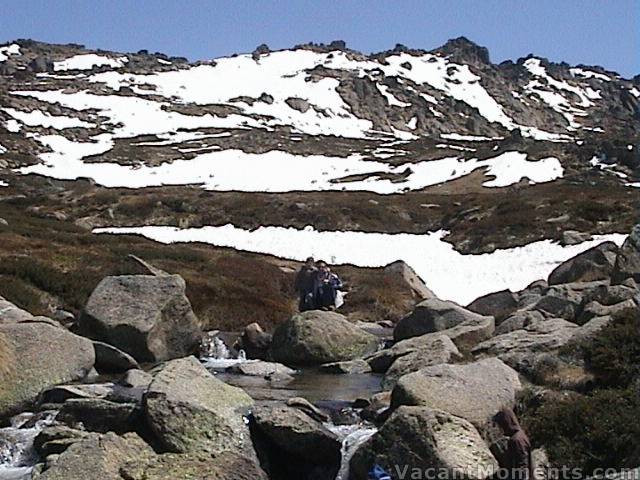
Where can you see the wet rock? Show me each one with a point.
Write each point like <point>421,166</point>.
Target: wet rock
<point>147,316</point>
<point>295,445</point>
<point>317,337</point>
<point>261,369</point>
<point>628,260</point>
<point>109,359</point>
<point>594,264</point>
<point>498,305</point>
<point>255,342</point>
<point>308,408</point>
<point>475,391</point>
<point>189,410</point>
<point>419,438</point>
<point>348,367</point>
<point>38,356</point>
<point>433,315</point>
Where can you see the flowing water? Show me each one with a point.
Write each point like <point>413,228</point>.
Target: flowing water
<point>17,455</point>
<point>352,437</point>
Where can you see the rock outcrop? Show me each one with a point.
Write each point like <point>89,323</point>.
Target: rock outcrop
<point>594,264</point>
<point>147,316</point>
<point>317,337</point>
<point>628,260</point>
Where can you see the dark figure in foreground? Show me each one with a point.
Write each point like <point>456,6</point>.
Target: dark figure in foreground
<point>326,287</point>
<point>305,285</point>
<point>517,458</point>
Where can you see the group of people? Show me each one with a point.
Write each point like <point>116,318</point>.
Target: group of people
<point>318,287</point>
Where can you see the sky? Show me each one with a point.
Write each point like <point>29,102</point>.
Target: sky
<point>592,32</point>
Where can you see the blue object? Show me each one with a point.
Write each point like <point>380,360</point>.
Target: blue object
<point>378,473</point>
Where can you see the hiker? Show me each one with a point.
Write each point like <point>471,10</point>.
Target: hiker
<point>305,284</point>
<point>326,287</point>
<point>517,458</point>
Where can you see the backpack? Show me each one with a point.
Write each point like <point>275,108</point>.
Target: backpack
<point>378,473</point>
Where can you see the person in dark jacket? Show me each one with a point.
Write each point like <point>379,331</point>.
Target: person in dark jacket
<point>305,284</point>
<point>517,458</point>
<point>326,287</point>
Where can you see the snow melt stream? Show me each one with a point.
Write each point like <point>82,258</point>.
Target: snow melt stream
<point>450,274</point>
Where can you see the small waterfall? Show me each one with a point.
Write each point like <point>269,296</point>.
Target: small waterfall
<point>216,355</point>
<point>352,436</point>
<point>17,456</point>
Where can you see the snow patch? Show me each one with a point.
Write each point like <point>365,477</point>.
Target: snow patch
<point>393,101</point>
<point>589,74</point>
<point>36,118</point>
<point>87,61</point>
<point>8,50</point>
<point>450,274</point>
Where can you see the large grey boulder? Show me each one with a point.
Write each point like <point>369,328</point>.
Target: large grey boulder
<point>147,316</point>
<point>35,356</point>
<point>433,315</point>
<point>433,349</point>
<point>520,347</point>
<point>595,309</point>
<point>407,275</point>
<point>628,260</point>
<point>519,320</point>
<point>498,304</point>
<point>96,457</point>
<point>9,313</point>
<point>294,444</point>
<point>593,264</point>
<point>189,410</point>
<point>423,439</point>
<point>317,337</point>
<point>475,391</point>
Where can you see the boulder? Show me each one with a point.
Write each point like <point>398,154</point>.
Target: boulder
<point>308,408</point>
<point>519,320</point>
<point>96,457</point>
<point>193,466</point>
<point>433,315</point>
<point>55,439</point>
<point>136,378</point>
<point>519,348</point>
<point>593,264</point>
<point>418,439</point>
<point>109,359</point>
<point>348,367</point>
<point>468,334</point>
<point>591,328</point>
<point>295,445</point>
<point>475,391</point>
<point>498,305</point>
<point>610,294</point>
<point>434,349</point>
<point>35,356</point>
<point>573,237</point>
<point>255,342</point>
<point>299,104</point>
<point>628,260</point>
<point>100,415</point>
<point>147,316</point>
<point>595,309</point>
<point>316,337</point>
<point>261,369</point>
<point>189,410</point>
<point>407,275</point>
<point>62,393</point>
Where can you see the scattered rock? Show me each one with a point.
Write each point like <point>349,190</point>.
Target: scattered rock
<point>595,309</point>
<point>109,359</point>
<point>100,415</point>
<point>498,305</point>
<point>317,337</point>
<point>38,356</point>
<point>594,264</point>
<point>347,367</point>
<point>519,320</point>
<point>418,439</point>
<point>573,237</point>
<point>148,317</point>
<point>299,104</point>
<point>433,315</point>
<point>261,369</point>
<point>475,391</point>
<point>189,410</point>
<point>55,439</point>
